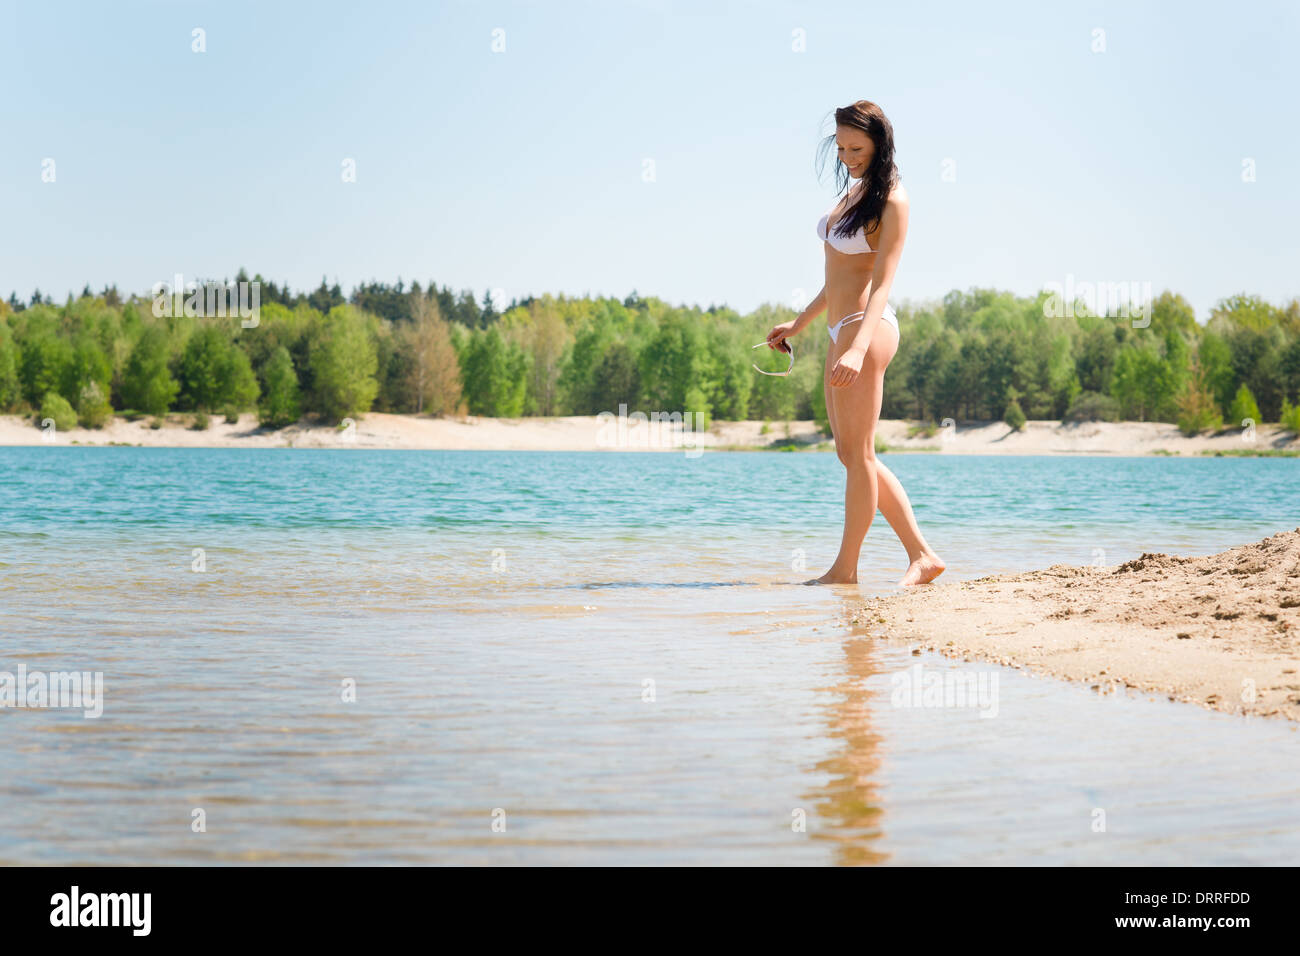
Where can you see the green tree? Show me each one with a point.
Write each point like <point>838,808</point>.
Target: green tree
<point>203,366</point>
<point>1243,407</point>
<point>1214,356</point>
<point>88,366</point>
<point>1096,358</point>
<point>344,364</point>
<point>728,379</point>
<point>1013,415</point>
<point>580,376</point>
<point>215,373</point>
<point>1197,409</point>
<point>1143,382</point>
<point>615,380</point>
<point>281,405</point>
<point>1245,311</point>
<point>1059,380</point>
<point>546,338</point>
<point>1257,361</point>
<point>41,364</point>
<point>933,376</point>
<point>1172,313</point>
<point>1092,407</point>
<point>673,364</point>
<point>10,361</point>
<point>962,383</point>
<point>93,408</point>
<point>238,384</point>
<point>495,375</point>
<point>147,384</point>
<point>1174,371</point>
<point>431,378</point>
<point>696,404</point>
<point>1290,416</point>
<point>54,407</point>
<point>1289,366</point>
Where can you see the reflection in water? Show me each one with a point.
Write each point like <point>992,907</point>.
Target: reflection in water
<point>849,801</point>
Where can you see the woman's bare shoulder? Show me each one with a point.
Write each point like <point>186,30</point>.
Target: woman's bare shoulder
<point>898,196</point>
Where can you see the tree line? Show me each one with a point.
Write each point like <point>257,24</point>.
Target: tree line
<point>980,355</point>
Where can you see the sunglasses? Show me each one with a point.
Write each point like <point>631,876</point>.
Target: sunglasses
<point>782,346</point>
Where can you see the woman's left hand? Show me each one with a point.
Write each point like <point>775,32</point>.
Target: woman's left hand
<point>848,367</point>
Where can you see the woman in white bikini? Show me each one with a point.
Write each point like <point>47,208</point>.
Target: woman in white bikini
<point>863,235</point>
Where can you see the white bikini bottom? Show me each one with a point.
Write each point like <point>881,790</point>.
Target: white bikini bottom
<point>889,317</point>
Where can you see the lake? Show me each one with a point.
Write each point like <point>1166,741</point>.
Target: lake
<point>420,657</point>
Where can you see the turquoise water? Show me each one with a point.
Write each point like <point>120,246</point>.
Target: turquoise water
<point>608,651</point>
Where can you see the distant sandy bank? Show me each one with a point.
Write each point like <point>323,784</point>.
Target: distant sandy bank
<point>588,433</point>
<point>1221,631</point>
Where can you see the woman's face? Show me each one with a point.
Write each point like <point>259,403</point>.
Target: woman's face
<point>855,149</point>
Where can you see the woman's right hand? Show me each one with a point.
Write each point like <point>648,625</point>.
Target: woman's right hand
<point>776,338</point>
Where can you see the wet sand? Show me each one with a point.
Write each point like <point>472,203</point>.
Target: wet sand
<point>589,433</point>
<point>1221,631</point>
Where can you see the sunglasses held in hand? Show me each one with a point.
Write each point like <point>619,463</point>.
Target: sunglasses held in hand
<point>782,346</point>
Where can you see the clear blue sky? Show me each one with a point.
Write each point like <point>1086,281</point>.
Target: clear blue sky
<point>522,170</point>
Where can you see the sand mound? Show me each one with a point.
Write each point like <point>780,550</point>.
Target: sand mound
<point>1222,630</point>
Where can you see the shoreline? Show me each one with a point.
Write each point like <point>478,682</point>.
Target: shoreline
<point>590,433</point>
<point>1221,631</point>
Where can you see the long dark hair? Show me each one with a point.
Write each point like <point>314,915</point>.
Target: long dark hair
<point>881,176</point>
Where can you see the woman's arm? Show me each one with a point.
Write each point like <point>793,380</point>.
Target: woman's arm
<point>815,308</point>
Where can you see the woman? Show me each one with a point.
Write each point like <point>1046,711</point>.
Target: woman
<point>863,235</point>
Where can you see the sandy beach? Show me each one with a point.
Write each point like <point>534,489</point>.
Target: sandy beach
<point>589,433</point>
<point>1222,630</point>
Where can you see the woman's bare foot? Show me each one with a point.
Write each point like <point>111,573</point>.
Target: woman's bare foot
<point>923,570</point>
<point>835,577</point>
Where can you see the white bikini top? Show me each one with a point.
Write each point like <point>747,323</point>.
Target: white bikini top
<point>856,244</point>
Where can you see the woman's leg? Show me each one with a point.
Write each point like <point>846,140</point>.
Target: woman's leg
<point>924,564</point>
<point>856,410</point>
